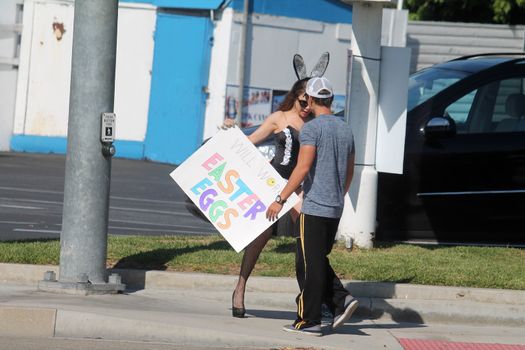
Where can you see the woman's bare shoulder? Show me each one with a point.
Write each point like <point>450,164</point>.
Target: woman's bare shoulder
<point>276,116</point>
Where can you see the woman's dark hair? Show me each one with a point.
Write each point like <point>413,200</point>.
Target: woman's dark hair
<point>292,95</point>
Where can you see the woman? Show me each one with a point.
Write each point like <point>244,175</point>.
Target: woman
<point>285,123</point>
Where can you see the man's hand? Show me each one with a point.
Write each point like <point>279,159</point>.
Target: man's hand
<point>273,211</point>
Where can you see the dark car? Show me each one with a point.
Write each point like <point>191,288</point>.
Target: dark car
<point>464,166</point>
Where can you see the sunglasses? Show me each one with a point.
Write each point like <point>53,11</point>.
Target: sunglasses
<point>302,103</point>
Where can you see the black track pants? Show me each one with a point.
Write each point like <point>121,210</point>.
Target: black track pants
<point>317,280</point>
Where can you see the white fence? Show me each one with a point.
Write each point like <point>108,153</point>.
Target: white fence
<point>434,42</point>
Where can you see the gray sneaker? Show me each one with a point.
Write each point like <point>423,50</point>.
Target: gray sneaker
<point>351,305</point>
<point>314,330</point>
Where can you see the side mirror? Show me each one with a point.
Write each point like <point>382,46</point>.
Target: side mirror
<point>439,127</point>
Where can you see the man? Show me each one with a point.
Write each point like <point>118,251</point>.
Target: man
<point>325,164</point>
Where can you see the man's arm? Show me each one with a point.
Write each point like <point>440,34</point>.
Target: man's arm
<point>349,171</point>
<point>304,163</point>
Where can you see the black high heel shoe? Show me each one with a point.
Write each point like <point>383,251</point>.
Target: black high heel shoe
<point>237,311</point>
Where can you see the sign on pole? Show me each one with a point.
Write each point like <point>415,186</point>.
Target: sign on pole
<point>232,183</point>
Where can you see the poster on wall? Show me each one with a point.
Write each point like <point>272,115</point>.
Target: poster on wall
<point>257,104</point>
<point>277,98</point>
<point>338,104</point>
<point>233,184</point>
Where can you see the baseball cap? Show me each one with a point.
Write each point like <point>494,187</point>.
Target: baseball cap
<point>316,85</point>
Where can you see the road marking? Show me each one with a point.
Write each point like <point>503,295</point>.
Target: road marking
<point>29,190</point>
<point>153,229</point>
<point>146,200</point>
<point>111,197</point>
<point>18,222</point>
<point>18,206</point>
<point>35,230</point>
<point>151,211</point>
<point>155,224</point>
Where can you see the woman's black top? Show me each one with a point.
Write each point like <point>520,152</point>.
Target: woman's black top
<point>286,151</point>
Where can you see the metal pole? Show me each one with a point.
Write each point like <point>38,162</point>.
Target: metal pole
<point>241,60</point>
<point>83,242</point>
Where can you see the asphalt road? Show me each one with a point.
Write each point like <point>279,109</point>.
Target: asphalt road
<point>144,200</point>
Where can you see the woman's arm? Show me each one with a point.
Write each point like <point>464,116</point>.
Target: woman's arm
<point>266,129</point>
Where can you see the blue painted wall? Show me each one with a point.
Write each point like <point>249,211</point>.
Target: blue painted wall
<point>329,11</point>
<point>182,4</point>
<point>181,64</point>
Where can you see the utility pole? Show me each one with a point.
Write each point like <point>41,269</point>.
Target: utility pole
<point>83,241</point>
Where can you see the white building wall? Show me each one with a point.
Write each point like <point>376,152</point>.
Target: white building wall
<point>9,29</point>
<point>42,104</point>
<point>271,44</point>
<point>273,41</point>
<point>220,56</point>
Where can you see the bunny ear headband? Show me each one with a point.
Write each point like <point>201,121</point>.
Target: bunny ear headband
<point>319,68</point>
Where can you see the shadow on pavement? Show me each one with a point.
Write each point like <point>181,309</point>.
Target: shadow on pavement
<point>373,297</point>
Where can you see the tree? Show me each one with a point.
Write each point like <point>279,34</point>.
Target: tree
<point>479,11</point>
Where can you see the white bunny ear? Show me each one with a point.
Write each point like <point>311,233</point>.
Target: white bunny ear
<point>299,67</point>
<point>321,65</point>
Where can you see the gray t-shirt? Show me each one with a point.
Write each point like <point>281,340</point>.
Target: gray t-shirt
<point>324,184</point>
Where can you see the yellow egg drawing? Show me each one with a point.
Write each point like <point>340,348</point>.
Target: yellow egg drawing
<point>270,181</point>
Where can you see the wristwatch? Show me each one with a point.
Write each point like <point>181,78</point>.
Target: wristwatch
<point>279,200</point>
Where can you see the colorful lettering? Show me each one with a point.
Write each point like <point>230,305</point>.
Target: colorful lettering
<point>230,174</point>
<point>217,209</point>
<point>201,186</point>
<point>243,188</point>
<point>227,221</point>
<point>213,160</point>
<point>258,207</point>
<point>217,172</point>
<point>247,201</point>
<point>207,198</point>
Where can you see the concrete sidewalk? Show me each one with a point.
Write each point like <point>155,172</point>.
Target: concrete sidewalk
<point>188,308</point>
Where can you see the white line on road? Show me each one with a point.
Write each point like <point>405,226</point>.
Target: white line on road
<point>155,224</point>
<point>18,222</point>
<point>152,211</point>
<point>112,197</point>
<point>35,230</point>
<point>29,190</point>
<point>146,200</point>
<point>18,206</point>
<point>32,200</point>
<point>154,230</point>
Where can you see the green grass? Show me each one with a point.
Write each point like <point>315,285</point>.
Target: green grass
<point>466,266</point>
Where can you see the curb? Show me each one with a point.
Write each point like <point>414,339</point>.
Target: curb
<point>378,300</point>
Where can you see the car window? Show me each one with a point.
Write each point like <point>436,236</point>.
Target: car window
<point>498,106</point>
<point>428,82</point>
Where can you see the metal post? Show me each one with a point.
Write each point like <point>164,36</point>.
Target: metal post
<point>83,241</point>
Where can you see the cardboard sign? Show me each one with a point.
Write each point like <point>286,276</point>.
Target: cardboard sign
<point>232,183</point>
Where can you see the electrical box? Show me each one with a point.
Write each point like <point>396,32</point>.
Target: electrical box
<point>108,127</point>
